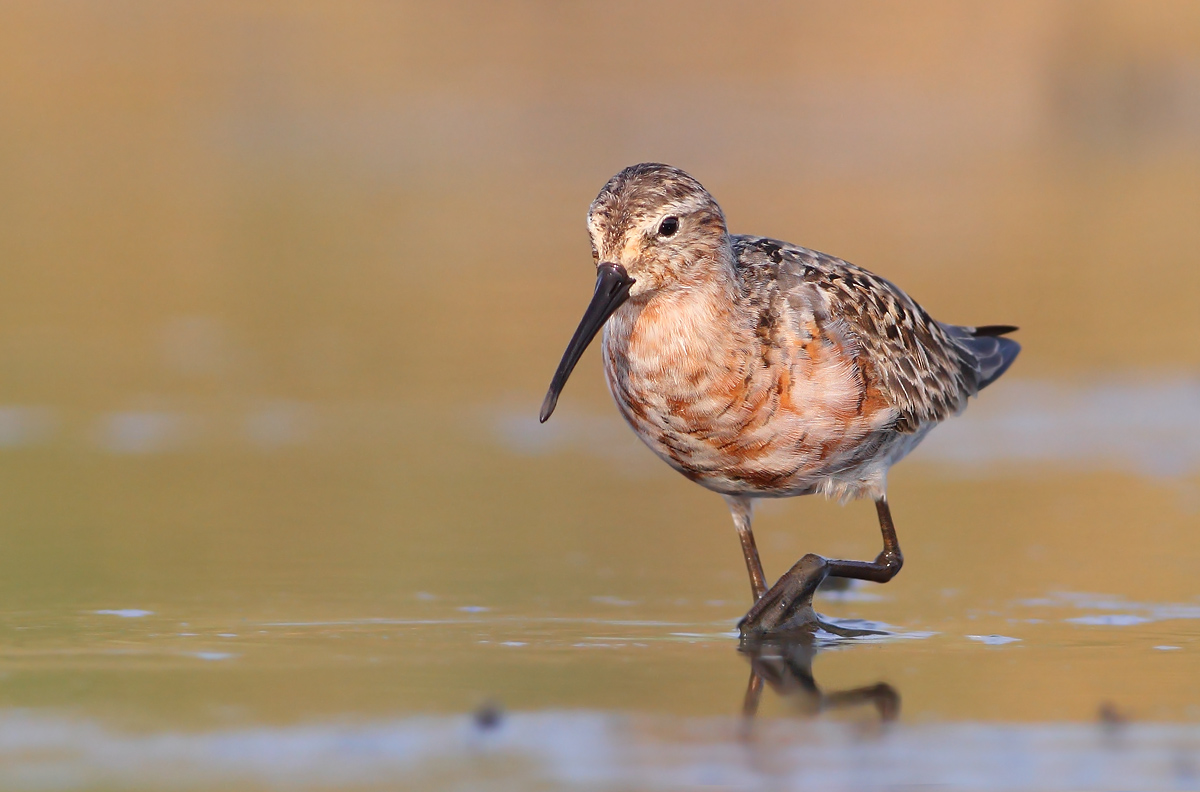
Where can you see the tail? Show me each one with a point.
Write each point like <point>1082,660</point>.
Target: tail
<point>987,353</point>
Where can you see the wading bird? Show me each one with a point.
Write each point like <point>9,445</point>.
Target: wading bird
<point>761,369</point>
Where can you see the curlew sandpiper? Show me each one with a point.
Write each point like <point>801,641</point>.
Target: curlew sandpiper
<point>761,369</point>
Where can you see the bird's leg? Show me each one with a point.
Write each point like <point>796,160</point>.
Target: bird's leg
<point>886,564</point>
<point>741,508</point>
<point>787,606</point>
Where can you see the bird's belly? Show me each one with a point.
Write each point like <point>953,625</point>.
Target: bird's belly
<point>737,441</point>
<point>742,417</point>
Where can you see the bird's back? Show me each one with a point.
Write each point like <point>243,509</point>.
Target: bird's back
<point>923,368</point>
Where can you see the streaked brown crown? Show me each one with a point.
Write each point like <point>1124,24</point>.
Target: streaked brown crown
<point>626,217</point>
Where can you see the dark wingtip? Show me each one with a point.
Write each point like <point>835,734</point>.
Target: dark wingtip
<point>994,330</point>
<point>997,363</point>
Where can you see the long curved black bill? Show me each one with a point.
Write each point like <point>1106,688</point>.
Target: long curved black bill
<point>612,289</point>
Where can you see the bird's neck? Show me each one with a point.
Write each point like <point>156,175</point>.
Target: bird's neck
<point>678,339</point>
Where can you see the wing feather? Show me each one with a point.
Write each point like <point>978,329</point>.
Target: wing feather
<point>924,369</point>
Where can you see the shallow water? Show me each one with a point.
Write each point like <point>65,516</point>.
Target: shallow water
<point>283,288</point>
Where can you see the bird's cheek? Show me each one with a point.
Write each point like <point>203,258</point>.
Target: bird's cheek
<point>640,286</point>
<point>649,275</point>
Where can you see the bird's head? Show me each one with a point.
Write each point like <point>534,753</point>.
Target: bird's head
<point>653,228</point>
<point>657,223</point>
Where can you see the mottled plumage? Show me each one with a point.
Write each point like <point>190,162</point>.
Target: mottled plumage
<point>759,368</point>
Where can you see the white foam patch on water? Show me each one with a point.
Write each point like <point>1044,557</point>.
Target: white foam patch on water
<point>144,432</point>
<point>1127,613</point>
<point>1111,620</point>
<point>125,613</point>
<point>993,640</point>
<point>853,594</point>
<point>279,425</point>
<point>596,750</point>
<point>615,601</point>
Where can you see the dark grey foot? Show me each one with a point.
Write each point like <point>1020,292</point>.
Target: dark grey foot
<point>786,608</point>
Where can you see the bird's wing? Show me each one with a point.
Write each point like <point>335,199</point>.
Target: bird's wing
<point>910,360</point>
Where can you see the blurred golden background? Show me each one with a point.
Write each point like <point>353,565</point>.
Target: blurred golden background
<point>282,285</point>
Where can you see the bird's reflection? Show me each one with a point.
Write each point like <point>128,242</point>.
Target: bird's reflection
<point>786,667</point>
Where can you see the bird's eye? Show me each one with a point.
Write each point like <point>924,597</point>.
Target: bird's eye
<point>668,226</point>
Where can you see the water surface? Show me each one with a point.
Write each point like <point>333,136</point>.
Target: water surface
<point>283,288</point>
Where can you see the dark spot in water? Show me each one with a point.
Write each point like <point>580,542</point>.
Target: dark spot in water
<point>1110,717</point>
<point>489,716</point>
